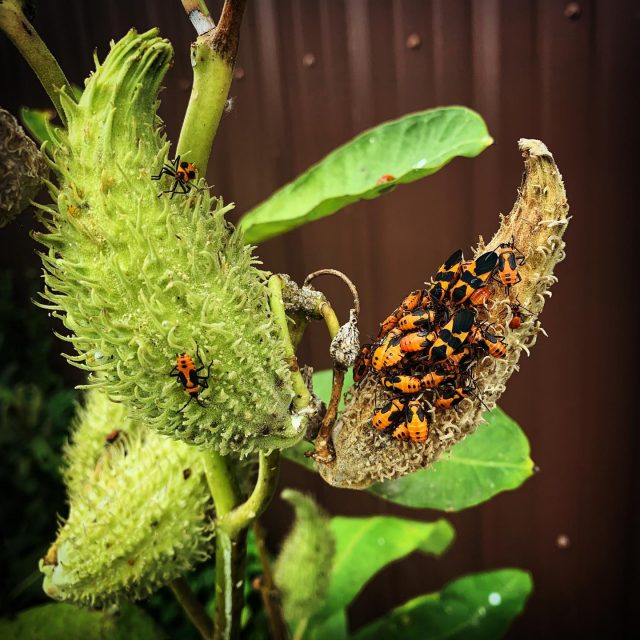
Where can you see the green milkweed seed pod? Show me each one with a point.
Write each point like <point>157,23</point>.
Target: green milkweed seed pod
<point>139,510</point>
<point>138,278</point>
<point>303,569</point>
<point>535,225</point>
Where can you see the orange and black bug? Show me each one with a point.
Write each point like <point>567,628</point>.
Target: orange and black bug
<point>473,277</point>
<point>388,415</point>
<point>452,335</point>
<point>416,421</point>
<point>182,172</point>
<point>187,375</point>
<point>417,340</point>
<point>388,323</point>
<point>457,358</point>
<point>480,296</point>
<point>401,432</point>
<point>509,259</point>
<point>517,315</point>
<point>447,275</point>
<point>434,379</point>
<point>388,352</point>
<point>403,384</point>
<point>112,436</point>
<point>494,344</point>
<point>475,334</point>
<point>450,397</point>
<point>387,177</point>
<point>418,319</point>
<point>362,363</point>
<point>411,301</point>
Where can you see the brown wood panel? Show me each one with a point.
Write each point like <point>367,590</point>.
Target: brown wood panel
<point>315,73</point>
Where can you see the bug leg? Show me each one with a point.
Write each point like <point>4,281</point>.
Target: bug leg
<point>186,404</point>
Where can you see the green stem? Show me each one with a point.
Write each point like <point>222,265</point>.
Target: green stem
<point>302,396</point>
<point>25,38</point>
<point>330,319</point>
<point>242,517</point>
<point>230,552</point>
<point>192,607</point>
<point>213,55</point>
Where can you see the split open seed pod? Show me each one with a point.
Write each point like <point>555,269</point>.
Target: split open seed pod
<point>535,225</point>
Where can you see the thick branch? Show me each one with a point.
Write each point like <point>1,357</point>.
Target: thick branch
<point>213,55</point>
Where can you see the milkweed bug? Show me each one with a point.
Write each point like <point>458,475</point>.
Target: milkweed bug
<point>411,301</point>
<point>112,436</point>
<point>401,432</point>
<point>362,363</point>
<point>387,324</point>
<point>509,259</point>
<point>451,397</point>
<point>452,335</point>
<point>434,379</point>
<point>388,415</point>
<point>403,384</point>
<point>416,421</point>
<point>187,375</point>
<point>517,315</point>
<point>380,358</point>
<point>462,354</point>
<point>418,319</point>
<point>473,277</point>
<point>182,172</point>
<point>494,344</point>
<point>447,275</point>
<point>480,296</point>
<point>387,177</point>
<point>417,340</point>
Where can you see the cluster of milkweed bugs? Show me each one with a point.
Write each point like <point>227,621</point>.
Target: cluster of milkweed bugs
<point>425,351</point>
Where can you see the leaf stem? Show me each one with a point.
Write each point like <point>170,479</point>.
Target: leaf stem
<point>268,590</point>
<point>241,517</point>
<point>213,55</point>
<point>192,607</point>
<point>302,396</point>
<point>33,49</point>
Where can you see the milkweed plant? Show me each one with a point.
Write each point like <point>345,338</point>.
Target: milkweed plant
<point>193,390</point>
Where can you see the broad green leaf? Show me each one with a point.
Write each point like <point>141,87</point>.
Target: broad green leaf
<point>493,459</point>
<point>38,123</point>
<point>475,607</point>
<point>365,545</point>
<point>407,149</point>
<point>59,621</point>
<point>323,381</point>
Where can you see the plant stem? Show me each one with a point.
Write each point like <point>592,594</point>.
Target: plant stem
<point>192,607</point>
<point>213,55</point>
<point>241,517</point>
<point>230,553</point>
<point>268,591</point>
<point>25,38</point>
<point>302,396</point>
<point>323,447</point>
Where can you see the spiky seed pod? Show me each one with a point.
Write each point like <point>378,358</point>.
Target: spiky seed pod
<point>138,278</point>
<point>139,510</point>
<point>22,168</point>
<point>536,225</point>
<point>303,569</point>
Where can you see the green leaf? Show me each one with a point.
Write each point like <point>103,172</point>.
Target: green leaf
<point>493,459</point>
<point>475,607</point>
<point>365,545</point>
<point>38,123</point>
<point>408,149</point>
<point>59,621</point>
<point>323,381</point>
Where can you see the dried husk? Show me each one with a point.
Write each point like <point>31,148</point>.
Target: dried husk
<point>536,225</point>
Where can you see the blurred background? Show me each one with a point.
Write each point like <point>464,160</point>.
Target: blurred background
<point>310,75</point>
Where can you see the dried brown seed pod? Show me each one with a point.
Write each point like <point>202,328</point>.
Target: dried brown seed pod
<point>535,225</point>
<point>22,168</point>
